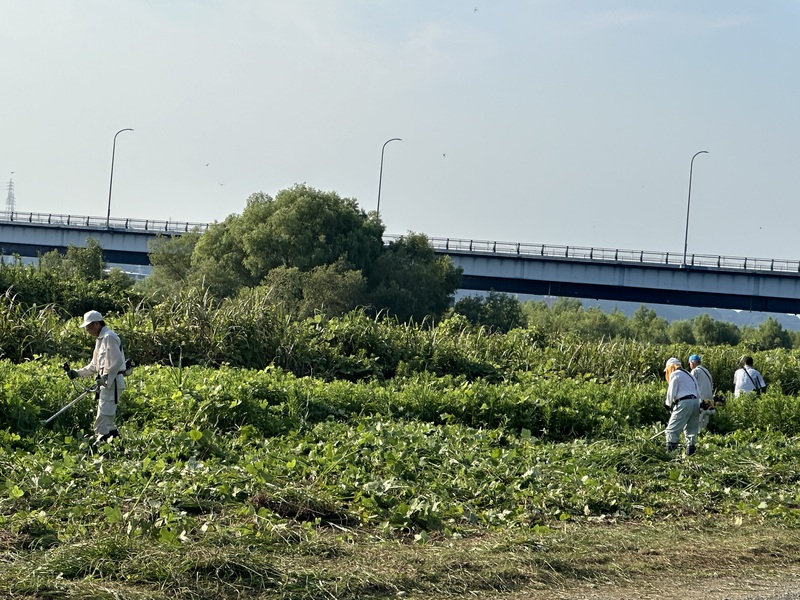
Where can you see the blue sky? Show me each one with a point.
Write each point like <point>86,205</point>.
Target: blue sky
<point>569,122</point>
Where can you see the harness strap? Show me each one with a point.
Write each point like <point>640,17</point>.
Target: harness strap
<point>753,381</point>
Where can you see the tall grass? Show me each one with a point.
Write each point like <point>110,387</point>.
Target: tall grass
<point>247,331</point>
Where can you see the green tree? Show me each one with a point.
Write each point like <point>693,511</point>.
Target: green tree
<point>595,324</point>
<point>307,228</point>
<point>537,314</point>
<point>411,281</point>
<point>728,333</point>
<point>218,259</point>
<point>708,332</point>
<point>315,251</point>
<point>330,289</point>
<point>646,325</point>
<point>496,310</point>
<point>471,307</point>
<point>333,289</point>
<point>302,227</point>
<point>85,263</point>
<point>567,305</point>
<point>769,335</point>
<point>75,281</point>
<point>680,332</point>
<point>171,259</point>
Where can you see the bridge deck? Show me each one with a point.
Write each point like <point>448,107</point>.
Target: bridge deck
<point>606,255</point>
<point>449,245</point>
<point>99,223</point>
<point>771,285</point>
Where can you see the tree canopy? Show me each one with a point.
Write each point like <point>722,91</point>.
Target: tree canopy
<point>316,251</point>
<point>496,310</point>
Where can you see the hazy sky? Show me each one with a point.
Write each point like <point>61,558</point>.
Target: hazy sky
<point>562,121</point>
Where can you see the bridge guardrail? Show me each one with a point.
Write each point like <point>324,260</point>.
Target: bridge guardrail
<point>446,244</point>
<point>113,223</point>
<point>611,255</point>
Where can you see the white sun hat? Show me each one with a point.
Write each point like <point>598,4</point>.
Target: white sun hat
<point>91,317</point>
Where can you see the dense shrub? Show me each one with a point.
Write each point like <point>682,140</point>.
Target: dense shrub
<point>273,401</point>
<point>246,332</point>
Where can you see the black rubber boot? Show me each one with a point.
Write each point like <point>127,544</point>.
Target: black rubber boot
<point>691,450</point>
<point>114,433</point>
<point>672,446</point>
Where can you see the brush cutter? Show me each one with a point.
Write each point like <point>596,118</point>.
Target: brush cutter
<point>85,392</point>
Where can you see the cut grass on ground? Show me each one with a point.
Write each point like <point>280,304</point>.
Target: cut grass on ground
<point>574,560</point>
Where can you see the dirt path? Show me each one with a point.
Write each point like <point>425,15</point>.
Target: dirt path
<point>785,586</point>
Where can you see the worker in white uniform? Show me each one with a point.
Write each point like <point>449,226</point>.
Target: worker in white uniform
<point>683,401</point>
<point>108,364</point>
<point>705,386</point>
<point>748,379</point>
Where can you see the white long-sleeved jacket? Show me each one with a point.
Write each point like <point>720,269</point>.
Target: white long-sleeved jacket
<point>681,384</point>
<point>705,384</point>
<point>108,359</point>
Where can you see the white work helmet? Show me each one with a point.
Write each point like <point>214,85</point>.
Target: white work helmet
<point>91,317</point>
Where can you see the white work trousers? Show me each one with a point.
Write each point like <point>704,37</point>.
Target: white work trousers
<point>106,411</point>
<point>685,417</point>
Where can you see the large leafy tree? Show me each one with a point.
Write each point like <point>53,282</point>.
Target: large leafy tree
<point>496,310</point>
<point>307,228</point>
<point>330,289</point>
<point>301,227</point>
<point>709,332</point>
<point>171,259</point>
<point>680,332</point>
<point>316,252</point>
<point>770,334</point>
<point>411,281</point>
<point>86,263</point>
<point>218,260</point>
<point>646,325</point>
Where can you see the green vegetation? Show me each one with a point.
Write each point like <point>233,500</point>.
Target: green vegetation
<point>313,251</point>
<point>281,442</point>
<point>278,483</point>
<point>569,315</point>
<point>73,282</point>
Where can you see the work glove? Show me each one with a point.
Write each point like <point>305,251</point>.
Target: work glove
<point>72,374</point>
<point>102,379</point>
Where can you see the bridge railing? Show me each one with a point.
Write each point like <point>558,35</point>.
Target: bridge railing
<point>443,244</point>
<point>113,223</point>
<point>611,255</point>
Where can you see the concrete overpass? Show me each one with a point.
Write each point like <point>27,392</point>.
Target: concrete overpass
<point>753,284</point>
<point>124,241</point>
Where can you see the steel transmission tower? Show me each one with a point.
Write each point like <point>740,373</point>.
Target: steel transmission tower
<point>10,202</point>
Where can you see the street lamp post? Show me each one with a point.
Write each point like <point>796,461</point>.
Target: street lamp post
<point>688,204</point>
<point>380,177</point>
<point>111,180</point>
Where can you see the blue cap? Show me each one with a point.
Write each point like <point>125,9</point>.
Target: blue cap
<point>694,358</point>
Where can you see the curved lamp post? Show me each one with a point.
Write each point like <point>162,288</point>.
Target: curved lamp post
<point>380,177</point>
<point>688,204</point>
<point>111,181</point>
